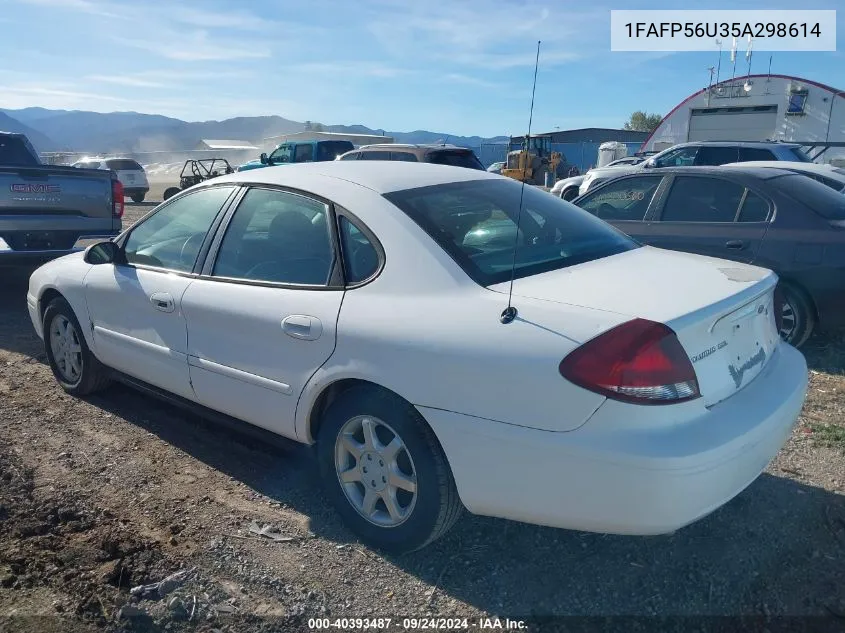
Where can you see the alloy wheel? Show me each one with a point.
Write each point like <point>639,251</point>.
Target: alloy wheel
<point>66,349</point>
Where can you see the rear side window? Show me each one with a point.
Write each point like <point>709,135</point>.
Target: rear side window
<point>122,164</point>
<point>360,258</point>
<point>702,199</point>
<point>303,153</point>
<point>403,156</point>
<point>475,222</point>
<point>375,156</point>
<point>624,199</point>
<point>754,209</point>
<point>755,153</point>
<point>716,155</point>
<point>821,199</point>
<point>455,158</point>
<point>329,150</point>
<point>800,155</point>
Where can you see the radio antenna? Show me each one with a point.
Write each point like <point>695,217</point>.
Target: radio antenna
<point>509,313</point>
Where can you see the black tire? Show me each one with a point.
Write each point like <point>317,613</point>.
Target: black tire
<point>93,376</point>
<point>437,506</point>
<point>569,193</point>
<point>137,198</point>
<point>796,317</point>
<point>170,192</point>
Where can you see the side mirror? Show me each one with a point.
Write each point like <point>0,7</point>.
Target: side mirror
<point>264,159</point>
<point>102,253</point>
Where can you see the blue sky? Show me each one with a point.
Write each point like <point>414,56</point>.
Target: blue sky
<point>458,66</point>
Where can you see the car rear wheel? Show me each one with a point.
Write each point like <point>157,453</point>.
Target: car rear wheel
<point>795,316</point>
<point>170,192</point>
<point>72,363</point>
<point>137,198</point>
<point>385,472</point>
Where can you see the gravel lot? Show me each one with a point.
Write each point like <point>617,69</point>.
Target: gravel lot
<point>119,490</point>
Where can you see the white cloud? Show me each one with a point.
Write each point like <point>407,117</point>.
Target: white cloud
<point>125,80</point>
<point>197,46</point>
<point>469,80</point>
<point>349,68</point>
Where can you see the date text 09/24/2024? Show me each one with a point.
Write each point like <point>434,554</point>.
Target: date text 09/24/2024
<point>415,624</point>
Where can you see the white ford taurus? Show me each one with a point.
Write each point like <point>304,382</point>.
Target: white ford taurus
<point>359,307</point>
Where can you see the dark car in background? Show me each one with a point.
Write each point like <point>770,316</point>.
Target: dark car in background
<point>769,217</point>
<point>438,154</point>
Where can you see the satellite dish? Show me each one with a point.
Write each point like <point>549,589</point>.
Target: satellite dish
<point>747,86</point>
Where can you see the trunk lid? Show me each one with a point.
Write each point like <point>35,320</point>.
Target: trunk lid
<point>721,311</point>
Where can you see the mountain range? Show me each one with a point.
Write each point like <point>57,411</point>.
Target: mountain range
<point>113,132</point>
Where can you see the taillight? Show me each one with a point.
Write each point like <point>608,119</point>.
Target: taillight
<point>639,361</point>
<point>117,198</point>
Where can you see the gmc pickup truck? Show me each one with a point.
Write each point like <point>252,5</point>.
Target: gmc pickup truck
<point>47,211</point>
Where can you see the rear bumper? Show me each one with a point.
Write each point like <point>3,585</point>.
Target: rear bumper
<point>611,478</point>
<point>11,257</point>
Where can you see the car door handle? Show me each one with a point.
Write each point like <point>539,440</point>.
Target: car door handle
<point>163,301</point>
<point>735,245</point>
<point>306,328</point>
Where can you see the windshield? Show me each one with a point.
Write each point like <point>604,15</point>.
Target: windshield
<point>800,155</point>
<point>827,202</point>
<point>455,158</point>
<point>475,222</point>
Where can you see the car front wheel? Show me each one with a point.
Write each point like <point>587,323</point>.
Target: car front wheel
<point>569,194</point>
<point>72,363</point>
<point>385,472</point>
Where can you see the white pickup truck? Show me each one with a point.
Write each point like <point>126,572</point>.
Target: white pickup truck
<point>49,210</point>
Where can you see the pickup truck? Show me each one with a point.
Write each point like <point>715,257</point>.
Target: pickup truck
<point>47,211</point>
<point>300,152</point>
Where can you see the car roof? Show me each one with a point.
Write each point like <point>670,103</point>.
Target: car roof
<point>814,168</point>
<point>763,144</point>
<point>388,146</point>
<point>379,176</point>
<point>762,173</point>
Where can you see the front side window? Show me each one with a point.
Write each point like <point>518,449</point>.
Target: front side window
<point>681,157</point>
<point>171,238</point>
<point>304,153</point>
<point>476,223</point>
<point>702,199</point>
<point>281,155</point>
<point>625,199</point>
<point>278,237</point>
<point>350,156</point>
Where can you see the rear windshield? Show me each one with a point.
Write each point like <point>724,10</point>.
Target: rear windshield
<point>475,222</point>
<point>825,201</point>
<point>455,158</point>
<point>123,164</point>
<point>329,150</point>
<point>800,156</point>
<point>13,151</point>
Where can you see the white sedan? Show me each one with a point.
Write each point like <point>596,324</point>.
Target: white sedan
<point>363,307</point>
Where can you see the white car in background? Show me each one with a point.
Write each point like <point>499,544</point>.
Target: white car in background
<point>129,172</point>
<point>365,307</point>
<point>833,177</point>
<point>567,188</point>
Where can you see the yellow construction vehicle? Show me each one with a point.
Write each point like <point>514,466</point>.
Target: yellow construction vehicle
<point>530,159</point>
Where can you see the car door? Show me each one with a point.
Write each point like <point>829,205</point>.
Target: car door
<point>711,215</point>
<point>624,203</point>
<point>261,318</point>
<point>135,306</point>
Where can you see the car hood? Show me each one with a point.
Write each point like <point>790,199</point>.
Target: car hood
<point>646,282</point>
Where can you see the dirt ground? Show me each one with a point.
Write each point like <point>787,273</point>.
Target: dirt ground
<point>101,495</point>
